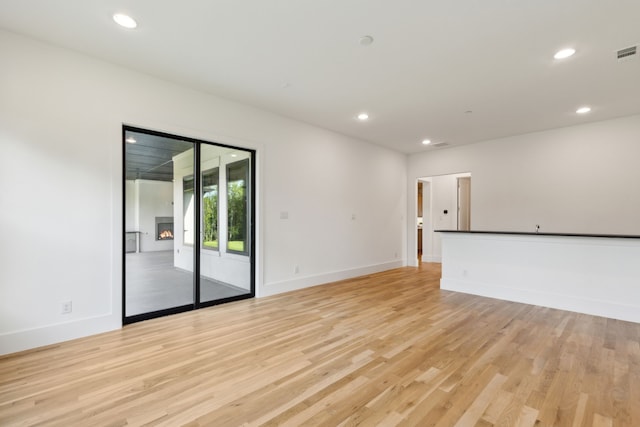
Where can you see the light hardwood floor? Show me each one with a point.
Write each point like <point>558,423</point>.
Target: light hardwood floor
<point>386,349</point>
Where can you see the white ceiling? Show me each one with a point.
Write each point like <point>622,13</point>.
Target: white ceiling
<point>430,62</point>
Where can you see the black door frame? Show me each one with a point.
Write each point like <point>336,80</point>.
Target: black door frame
<point>197,176</point>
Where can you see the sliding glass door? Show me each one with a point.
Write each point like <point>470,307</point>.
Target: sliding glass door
<point>188,215</point>
<point>225,244</point>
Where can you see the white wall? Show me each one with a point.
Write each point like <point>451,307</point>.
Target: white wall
<point>230,268</point>
<point>579,179</point>
<point>61,116</point>
<point>183,251</point>
<point>132,206</point>
<point>145,201</point>
<point>342,209</point>
<point>444,198</point>
<point>155,198</point>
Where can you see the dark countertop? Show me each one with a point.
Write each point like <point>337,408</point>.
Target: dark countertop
<point>525,233</point>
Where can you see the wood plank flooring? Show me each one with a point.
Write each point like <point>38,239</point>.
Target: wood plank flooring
<point>382,350</point>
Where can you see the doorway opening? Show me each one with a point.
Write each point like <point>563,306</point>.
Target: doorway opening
<point>188,224</point>
<point>443,203</point>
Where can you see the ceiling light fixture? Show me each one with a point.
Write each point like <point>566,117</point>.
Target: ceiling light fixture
<point>130,140</point>
<point>583,110</point>
<point>363,116</point>
<point>125,21</point>
<point>426,141</point>
<point>564,53</point>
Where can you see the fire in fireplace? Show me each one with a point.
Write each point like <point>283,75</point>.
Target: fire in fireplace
<point>166,234</point>
<point>164,228</point>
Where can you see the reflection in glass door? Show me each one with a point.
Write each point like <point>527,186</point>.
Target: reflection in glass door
<point>225,256</point>
<point>188,224</point>
<point>156,279</point>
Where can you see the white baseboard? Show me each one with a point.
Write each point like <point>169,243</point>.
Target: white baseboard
<point>613,310</point>
<point>12,342</point>
<point>320,279</point>
<point>431,258</point>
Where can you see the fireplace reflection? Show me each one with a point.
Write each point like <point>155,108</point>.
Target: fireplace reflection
<point>166,234</point>
<point>164,228</point>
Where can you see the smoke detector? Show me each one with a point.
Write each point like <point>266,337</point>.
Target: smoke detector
<point>627,54</point>
<point>365,40</point>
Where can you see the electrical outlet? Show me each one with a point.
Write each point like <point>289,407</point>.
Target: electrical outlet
<point>296,270</point>
<point>66,307</point>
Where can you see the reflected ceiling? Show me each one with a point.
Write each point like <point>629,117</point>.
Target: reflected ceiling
<point>150,157</point>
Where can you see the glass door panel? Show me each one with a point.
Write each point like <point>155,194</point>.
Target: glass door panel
<point>159,218</point>
<point>225,256</point>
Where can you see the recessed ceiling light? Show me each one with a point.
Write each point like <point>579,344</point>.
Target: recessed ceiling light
<point>583,110</point>
<point>564,53</point>
<point>365,40</point>
<point>130,140</point>
<point>363,116</point>
<point>426,141</point>
<point>125,20</point>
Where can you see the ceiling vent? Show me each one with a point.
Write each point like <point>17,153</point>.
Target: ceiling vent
<point>439,144</point>
<point>627,54</point>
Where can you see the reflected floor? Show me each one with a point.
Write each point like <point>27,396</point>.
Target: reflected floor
<point>153,283</point>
